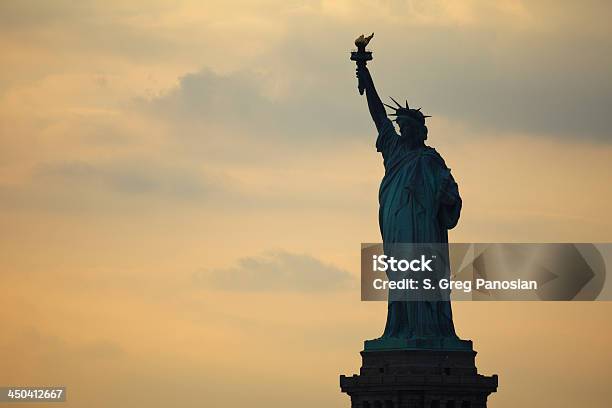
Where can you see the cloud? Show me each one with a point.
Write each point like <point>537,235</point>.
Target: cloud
<point>130,177</point>
<point>114,185</point>
<point>277,271</point>
<point>89,27</point>
<point>498,75</point>
<point>249,102</point>
<point>520,82</point>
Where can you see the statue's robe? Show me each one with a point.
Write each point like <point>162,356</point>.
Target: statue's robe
<point>419,203</point>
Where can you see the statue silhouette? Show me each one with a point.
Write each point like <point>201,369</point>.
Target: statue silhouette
<point>419,202</point>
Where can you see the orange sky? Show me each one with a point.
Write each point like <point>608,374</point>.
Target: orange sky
<point>149,149</point>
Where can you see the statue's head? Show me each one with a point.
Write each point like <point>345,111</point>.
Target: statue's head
<point>411,122</point>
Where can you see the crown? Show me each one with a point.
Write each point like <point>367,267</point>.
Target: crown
<point>406,112</point>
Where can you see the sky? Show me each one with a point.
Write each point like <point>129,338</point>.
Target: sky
<point>151,152</point>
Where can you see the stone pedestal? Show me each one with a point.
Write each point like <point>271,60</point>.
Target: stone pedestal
<point>414,378</point>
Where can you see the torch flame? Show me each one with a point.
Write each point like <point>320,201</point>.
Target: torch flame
<point>363,41</point>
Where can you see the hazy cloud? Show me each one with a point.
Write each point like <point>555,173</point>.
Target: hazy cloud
<point>114,185</point>
<point>280,270</point>
<point>531,76</point>
<point>131,177</point>
<point>242,101</point>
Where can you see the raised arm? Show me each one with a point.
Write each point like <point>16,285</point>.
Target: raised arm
<point>377,109</point>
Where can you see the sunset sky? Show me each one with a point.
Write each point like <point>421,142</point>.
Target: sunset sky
<point>150,151</point>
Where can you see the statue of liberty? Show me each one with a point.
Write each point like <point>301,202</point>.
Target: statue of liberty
<point>419,202</point>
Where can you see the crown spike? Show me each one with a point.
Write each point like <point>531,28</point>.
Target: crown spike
<point>427,116</point>
<point>407,107</point>
<point>389,106</point>
<point>398,105</point>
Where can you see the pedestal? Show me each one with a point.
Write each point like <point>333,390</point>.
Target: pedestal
<point>413,378</point>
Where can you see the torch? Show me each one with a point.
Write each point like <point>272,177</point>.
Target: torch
<point>361,56</point>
